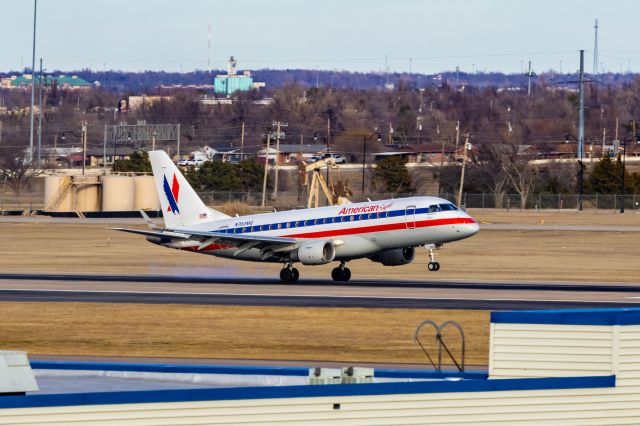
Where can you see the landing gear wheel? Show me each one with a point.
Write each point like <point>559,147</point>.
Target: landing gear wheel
<point>286,275</point>
<point>336,274</point>
<point>341,274</point>
<point>346,274</point>
<point>295,275</point>
<point>433,266</point>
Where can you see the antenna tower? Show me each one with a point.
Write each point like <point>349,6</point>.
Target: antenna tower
<point>209,49</point>
<point>595,50</point>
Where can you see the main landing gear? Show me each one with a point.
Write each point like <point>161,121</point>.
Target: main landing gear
<point>432,249</point>
<point>341,273</point>
<point>289,274</point>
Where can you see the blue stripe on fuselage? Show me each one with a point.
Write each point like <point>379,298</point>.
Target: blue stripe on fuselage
<point>303,223</point>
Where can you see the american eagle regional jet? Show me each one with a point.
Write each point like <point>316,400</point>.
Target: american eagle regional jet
<point>386,231</point>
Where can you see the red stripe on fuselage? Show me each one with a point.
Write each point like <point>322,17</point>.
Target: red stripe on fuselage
<point>383,227</point>
<point>359,230</point>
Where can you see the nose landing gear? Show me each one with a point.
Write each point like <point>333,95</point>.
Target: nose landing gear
<point>289,274</point>
<point>432,249</point>
<point>341,273</point>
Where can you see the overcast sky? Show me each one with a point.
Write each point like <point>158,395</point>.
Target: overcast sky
<point>498,35</point>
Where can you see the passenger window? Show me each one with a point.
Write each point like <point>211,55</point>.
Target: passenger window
<point>289,224</point>
<point>300,223</point>
<point>352,218</point>
<point>309,223</point>
<point>279,226</point>
<point>318,221</point>
<point>372,216</point>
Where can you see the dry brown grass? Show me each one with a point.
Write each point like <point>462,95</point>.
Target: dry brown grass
<point>553,217</point>
<point>322,334</point>
<point>490,255</point>
<point>233,208</point>
<point>383,335</point>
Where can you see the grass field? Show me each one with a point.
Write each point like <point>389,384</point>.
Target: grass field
<point>490,255</point>
<point>328,334</point>
<point>365,335</point>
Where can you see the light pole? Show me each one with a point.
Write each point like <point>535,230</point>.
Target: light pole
<point>624,158</point>
<point>467,147</point>
<point>364,153</point>
<point>580,170</point>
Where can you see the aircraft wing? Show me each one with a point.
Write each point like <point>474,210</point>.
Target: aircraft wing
<point>205,238</point>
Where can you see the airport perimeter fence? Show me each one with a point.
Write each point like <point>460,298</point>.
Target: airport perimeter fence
<point>34,201</point>
<point>31,201</point>
<point>548,201</point>
<point>292,199</point>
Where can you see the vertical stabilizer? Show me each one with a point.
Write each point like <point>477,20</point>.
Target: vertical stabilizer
<point>180,204</point>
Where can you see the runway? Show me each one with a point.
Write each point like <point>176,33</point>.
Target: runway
<point>315,293</point>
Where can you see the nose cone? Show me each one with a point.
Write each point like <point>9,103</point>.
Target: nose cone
<point>469,228</point>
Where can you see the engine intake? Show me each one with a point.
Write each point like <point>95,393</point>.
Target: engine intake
<point>395,257</point>
<point>314,253</point>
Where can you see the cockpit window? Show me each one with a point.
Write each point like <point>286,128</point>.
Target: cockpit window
<point>434,208</point>
<point>447,207</point>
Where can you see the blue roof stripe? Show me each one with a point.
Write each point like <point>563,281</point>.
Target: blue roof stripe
<point>235,369</point>
<point>606,316</point>
<point>221,394</point>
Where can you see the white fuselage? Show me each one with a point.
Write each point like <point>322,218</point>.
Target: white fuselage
<point>358,230</point>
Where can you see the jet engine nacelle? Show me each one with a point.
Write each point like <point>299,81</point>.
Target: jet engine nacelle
<point>395,257</point>
<point>314,253</point>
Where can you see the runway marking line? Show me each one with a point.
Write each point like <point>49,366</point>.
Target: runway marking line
<point>317,296</point>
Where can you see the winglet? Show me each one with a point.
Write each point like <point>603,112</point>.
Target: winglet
<point>148,220</point>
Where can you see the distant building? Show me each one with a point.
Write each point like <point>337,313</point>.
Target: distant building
<point>290,153</point>
<point>63,82</point>
<point>233,82</point>
<point>141,101</point>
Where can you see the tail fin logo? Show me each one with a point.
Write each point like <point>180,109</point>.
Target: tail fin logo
<point>172,192</point>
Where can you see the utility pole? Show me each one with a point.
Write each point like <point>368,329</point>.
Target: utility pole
<point>328,143</point>
<point>278,125</point>
<point>529,74</point>
<point>595,50</point>
<point>624,161</point>
<point>464,165</point>
<point>153,141</point>
<point>266,168</point>
<point>33,70</point>
<point>604,138</point>
<point>39,161</point>
<point>242,143</point>
<point>457,135</point>
<point>581,131</point>
<point>84,145</point>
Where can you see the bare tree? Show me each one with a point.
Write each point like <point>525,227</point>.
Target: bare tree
<point>515,162</point>
<point>15,171</point>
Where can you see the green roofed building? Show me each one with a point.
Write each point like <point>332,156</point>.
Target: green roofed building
<point>63,82</point>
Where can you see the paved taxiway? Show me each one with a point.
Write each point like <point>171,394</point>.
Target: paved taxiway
<point>317,293</point>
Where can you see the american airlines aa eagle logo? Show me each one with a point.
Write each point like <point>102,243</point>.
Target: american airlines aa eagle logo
<point>171,192</point>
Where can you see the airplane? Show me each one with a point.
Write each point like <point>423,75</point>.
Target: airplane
<point>385,231</point>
